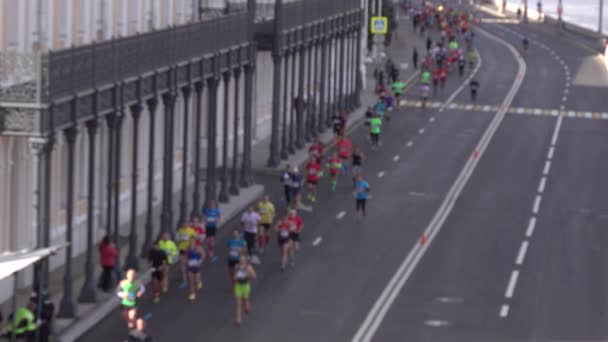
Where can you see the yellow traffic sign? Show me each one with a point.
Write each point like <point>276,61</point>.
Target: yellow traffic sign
<point>379,25</point>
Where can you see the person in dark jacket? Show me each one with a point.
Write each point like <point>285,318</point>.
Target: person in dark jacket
<point>107,259</point>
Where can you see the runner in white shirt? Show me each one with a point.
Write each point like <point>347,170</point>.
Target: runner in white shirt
<point>250,221</point>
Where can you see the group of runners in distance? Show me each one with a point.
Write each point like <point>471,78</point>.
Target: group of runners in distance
<point>195,241</point>
<point>446,53</point>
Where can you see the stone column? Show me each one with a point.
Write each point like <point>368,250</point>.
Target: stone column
<point>210,193</point>
<point>183,204</point>
<point>234,187</point>
<point>167,206</point>
<point>149,236</point>
<point>88,293</point>
<point>132,261</point>
<point>196,195</point>
<point>223,197</point>
<point>299,108</point>
<point>286,101</point>
<point>246,174</point>
<point>67,307</point>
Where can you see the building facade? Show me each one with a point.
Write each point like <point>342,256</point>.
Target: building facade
<point>110,108</point>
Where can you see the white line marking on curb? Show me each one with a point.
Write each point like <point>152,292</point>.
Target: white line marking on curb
<point>341,215</point>
<point>531,226</point>
<point>504,311</point>
<point>396,158</point>
<point>550,153</point>
<point>380,174</point>
<point>409,143</point>
<point>536,207</point>
<point>421,131</point>
<point>512,283</point>
<point>541,185</point>
<point>378,311</point>
<point>317,241</point>
<point>547,168</point>
<point>522,253</point>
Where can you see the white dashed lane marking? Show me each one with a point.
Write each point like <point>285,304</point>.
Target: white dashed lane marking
<point>531,225</point>
<point>317,241</point>
<point>341,215</point>
<point>396,158</point>
<point>380,174</point>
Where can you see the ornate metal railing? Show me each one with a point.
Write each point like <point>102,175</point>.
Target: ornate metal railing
<point>90,67</point>
<point>298,13</point>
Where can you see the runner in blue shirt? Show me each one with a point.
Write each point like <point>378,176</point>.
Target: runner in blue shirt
<point>236,247</point>
<point>361,195</point>
<point>212,219</point>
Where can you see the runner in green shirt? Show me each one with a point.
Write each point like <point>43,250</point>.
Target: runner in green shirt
<point>425,78</point>
<point>375,127</point>
<point>398,88</point>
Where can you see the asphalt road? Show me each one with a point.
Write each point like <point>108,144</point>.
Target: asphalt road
<point>522,257</point>
<point>460,288</point>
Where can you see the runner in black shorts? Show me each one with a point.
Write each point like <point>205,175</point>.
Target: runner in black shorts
<point>158,260</point>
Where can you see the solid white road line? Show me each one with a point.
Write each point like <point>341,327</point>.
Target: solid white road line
<point>547,167</point>
<point>380,174</point>
<point>396,158</point>
<point>375,316</point>
<point>512,283</point>
<point>317,241</point>
<point>558,125</point>
<point>536,206</point>
<point>341,215</point>
<point>522,253</point>
<point>550,153</point>
<point>504,310</point>
<point>541,184</point>
<point>531,226</point>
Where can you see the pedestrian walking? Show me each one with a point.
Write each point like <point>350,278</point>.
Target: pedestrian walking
<point>415,58</point>
<point>107,259</point>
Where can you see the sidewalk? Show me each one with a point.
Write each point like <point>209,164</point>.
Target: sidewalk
<point>90,314</point>
<point>400,51</point>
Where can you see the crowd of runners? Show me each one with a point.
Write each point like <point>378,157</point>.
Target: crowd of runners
<point>195,242</point>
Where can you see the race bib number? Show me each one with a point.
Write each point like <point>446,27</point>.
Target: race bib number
<point>263,210</point>
<point>293,227</point>
<point>234,253</point>
<point>193,263</point>
<point>211,219</point>
<point>184,237</point>
<point>284,233</point>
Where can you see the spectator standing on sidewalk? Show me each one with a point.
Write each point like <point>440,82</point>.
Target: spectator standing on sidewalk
<point>107,259</point>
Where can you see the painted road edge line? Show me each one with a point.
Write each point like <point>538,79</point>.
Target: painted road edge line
<point>504,311</point>
<point>374,318</point>
<point>512,283</point>
<point>531,225</point>
<point>521,255</point>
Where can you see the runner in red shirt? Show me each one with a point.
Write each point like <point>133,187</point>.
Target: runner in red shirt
<point>316,150</point>
<point>435,79</point>
<point>313,172</point>
<point>443,76</point>
<point>295,228</point>
<point>344,150</point>
<point>199,228</point>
